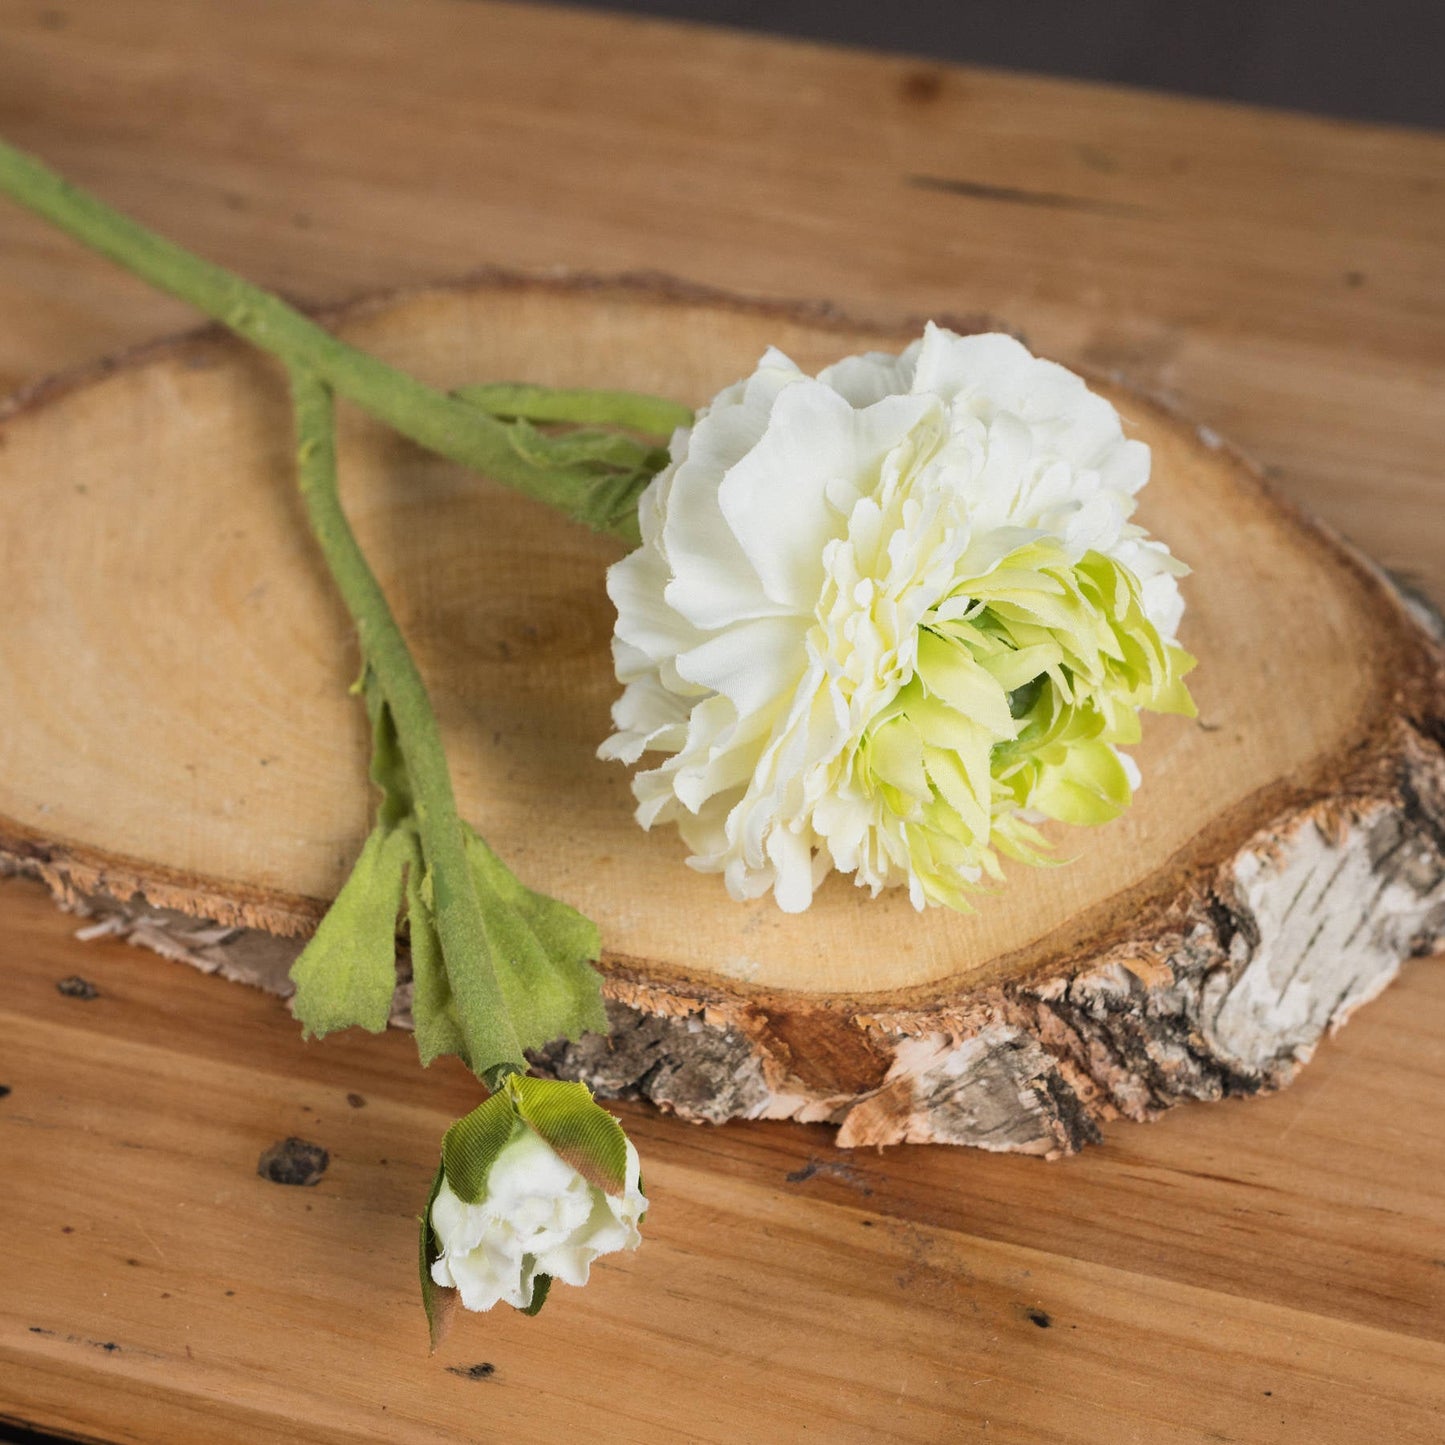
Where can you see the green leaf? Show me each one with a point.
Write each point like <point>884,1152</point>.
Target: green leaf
<point>541,950</point>
<point>578,1129</point>
<point>588,449</point>
<point>608,503</point>
<point>541,1287</point>
<point>433,1009</point>
<point>436,1300</point>
<point>595,476</point>
<point>479,1005</point>
<point>1174,696</point>
<point>473,1143</point>
<point>346,974</point>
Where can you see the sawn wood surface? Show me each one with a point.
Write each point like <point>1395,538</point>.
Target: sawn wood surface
<point>1280,862</point>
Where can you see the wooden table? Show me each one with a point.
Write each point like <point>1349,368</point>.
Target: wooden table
<point>1261,1271</point>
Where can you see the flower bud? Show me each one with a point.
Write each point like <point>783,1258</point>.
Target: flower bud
<point>534,1184</point>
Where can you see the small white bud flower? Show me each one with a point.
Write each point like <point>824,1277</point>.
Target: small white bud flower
<point>510,1213</point>
<point>539,1216</point>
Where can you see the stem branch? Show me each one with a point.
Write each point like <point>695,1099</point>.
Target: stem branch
<point>445,424</point>
<point>458,911</point>
<point>582,405</point>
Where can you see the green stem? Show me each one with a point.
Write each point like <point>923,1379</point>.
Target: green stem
<point>445,424</point>
<point>584,406</point>
<point>460,926</point>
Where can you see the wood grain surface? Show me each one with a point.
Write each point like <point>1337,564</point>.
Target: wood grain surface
<point>1265,1271</point>
<point>1279,276</point>
<point>134,749</point>
<point>1254,1272</point>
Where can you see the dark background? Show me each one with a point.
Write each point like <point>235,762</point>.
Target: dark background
<point>1363,59</point>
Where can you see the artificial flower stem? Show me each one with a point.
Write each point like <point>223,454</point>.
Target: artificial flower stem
<point>459,920</point>
<point>581,406</point>
<point>443,423</point>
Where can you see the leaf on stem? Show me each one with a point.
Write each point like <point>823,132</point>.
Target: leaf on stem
<point>538,950</point>
<point>596,472</point>
<point>346,974</point>
<point>602,474</point>
<point>433,1007</point>
<point>388,764</point>
<point>586,447</point>
<point>542,951</point>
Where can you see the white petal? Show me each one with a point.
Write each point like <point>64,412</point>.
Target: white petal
<point>484,1278</point>
<point>1131,770</point>
<point>863,380</point>
<point>792,857</point>
<point>750,664</point>
<point>644,620</point>
<point>775,499</point>
<point>713,583</point>
<point>527,1166</point>
<point>988,364</point>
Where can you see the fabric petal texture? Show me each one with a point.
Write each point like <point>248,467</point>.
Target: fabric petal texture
<point>538,1216</point>
<point>888,619</point>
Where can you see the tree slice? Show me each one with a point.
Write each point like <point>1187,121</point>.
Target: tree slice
<point>178,733</point>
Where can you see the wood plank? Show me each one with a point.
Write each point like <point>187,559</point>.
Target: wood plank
<point>1280,277</point>
<point>1194,1281</point>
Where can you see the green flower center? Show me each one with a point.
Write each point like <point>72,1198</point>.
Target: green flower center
<point>1027,680</point>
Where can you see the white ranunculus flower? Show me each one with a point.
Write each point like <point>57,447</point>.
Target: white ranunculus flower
<point>884,619</point>
<point>539,1216</point>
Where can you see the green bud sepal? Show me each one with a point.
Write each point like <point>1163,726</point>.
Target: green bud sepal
<point>577,1128</point>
